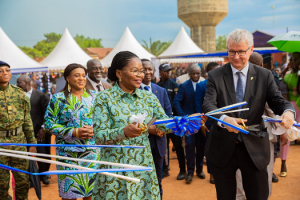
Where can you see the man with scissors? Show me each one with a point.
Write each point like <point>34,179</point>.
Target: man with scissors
<point>227,148</point>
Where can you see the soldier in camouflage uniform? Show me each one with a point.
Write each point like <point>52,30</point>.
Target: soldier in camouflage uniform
<point>15,127</point>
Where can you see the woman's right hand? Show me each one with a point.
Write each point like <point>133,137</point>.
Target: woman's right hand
<point>132,131</point>
<point>85,132</point>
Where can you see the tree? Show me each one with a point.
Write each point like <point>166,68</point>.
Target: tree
<point>44,47</point>
<point>221,42</point>
<point>156,47</point>
<point>84,42</point>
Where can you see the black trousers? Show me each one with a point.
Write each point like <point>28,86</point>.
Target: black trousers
<point>43,167</point>
<point>158,162</point>
<point>255,182</point>
<point>177,142</point>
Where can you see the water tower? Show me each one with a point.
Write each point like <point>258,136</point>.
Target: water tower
<point>202,16</point>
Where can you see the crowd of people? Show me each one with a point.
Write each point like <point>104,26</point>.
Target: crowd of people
<point>96,104</point>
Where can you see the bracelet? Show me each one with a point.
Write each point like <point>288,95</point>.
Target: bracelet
<point>77,133</point>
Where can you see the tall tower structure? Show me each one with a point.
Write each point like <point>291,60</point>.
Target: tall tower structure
<point>202,16</point>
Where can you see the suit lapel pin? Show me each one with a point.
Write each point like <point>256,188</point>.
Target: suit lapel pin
<point>156,91</point>
<point>251,78</point>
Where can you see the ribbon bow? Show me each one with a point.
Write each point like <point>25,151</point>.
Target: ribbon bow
<point>185,125</point>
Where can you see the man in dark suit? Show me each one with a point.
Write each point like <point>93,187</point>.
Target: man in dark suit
<point>158,144</point>
<point>199,98</point>
<point>93,80</point>
<point>38,103</point>
<point>184,104</point>
<point>228,149</point>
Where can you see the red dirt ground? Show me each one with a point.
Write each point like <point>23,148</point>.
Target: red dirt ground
<point>286,189</point>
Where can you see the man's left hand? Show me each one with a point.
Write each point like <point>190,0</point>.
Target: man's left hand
<point>32,149</point>
<point>287,119</point>
<point>41,135</point>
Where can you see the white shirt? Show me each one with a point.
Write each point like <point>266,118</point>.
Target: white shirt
<point>143,85</point>
<point>29,93</point>
<point>235,80</point>
<point>94,84</point>
<point>194,84</point>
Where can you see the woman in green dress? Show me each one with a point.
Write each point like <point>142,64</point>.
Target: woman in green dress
<point>111,121</point>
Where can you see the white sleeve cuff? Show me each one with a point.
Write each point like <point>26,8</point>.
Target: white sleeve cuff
<point>222,118</point>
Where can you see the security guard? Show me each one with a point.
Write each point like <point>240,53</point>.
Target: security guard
<point>15,127</point>
<point>172,88</point>
<point>166,81</point>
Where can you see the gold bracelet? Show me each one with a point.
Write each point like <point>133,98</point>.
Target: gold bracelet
<point>77,132</point>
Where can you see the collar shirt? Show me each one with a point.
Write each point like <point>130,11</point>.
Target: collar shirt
<point>194,84</point>
<point>143,86</point>
<point>29,93</point>
<point>244,76</point>
<point>94,84</point>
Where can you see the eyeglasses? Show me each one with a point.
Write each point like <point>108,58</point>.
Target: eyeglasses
<point>7,71</point>
<point>240,53</point>
<point>136,72</point>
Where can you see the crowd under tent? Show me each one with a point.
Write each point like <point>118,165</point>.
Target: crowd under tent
<point>67,51</point>
<point>19,61</point>
<point>127,43</point>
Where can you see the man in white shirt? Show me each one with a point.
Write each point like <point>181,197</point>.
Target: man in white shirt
<point>181,79</point>
<point>95,70</point>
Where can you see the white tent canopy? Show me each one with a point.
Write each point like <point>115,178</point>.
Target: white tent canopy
<point>182,44</point>
<point>16,58</point>
<point>66,52</point>
<point>127,43</point>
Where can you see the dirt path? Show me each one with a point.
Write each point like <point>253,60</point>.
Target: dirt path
<point>286,189</point>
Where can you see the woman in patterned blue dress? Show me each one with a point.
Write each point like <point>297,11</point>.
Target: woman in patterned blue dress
<point>112,111</point>
<point>69,118</point>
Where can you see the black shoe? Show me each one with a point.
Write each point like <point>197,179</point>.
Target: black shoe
<point>48,177</point>
<point>9,197</point>
<point>45,181</point>
<point>201,175</point>
<point>189,178</point>
<point>181,176</point>
<point>274,178</point>
<point>212,181</point>
<point>166,173</point>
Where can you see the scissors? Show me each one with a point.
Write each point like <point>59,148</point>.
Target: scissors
<point>250,128</point>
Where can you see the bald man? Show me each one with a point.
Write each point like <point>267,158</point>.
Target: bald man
<point>93,81</point>
<point>181,79</point>
<point>38,103</point>
<point>184,104</point>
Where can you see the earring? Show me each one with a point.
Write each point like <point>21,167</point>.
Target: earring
<point>120,80</point>
<point>69,87</point>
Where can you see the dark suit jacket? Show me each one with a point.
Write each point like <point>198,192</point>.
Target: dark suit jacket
<point>260,88</point>
<point>89,85</point>
<point>184,102</point>
<point>38,102</point>
<point>199,95</point>
<point>163,98</point>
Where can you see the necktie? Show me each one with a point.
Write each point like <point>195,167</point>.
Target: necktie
<point>98,87</point>
<point>147,88</point>
<point>239,96</point>
<point>239,88</point>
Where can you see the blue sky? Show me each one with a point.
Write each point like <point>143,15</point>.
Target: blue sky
<point>25,21</point>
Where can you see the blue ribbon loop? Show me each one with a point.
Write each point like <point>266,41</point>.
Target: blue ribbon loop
<point>185,125</point>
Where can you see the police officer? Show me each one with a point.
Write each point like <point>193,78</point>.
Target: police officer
<point>172,88</point>
<point>15,127</point>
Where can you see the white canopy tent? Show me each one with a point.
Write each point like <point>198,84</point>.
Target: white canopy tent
<point>127,43</point>
<point>16,58</point>
<point>66,52</point>
<point>182,44</point>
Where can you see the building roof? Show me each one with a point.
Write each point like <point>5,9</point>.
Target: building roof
<point>100,52</point>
